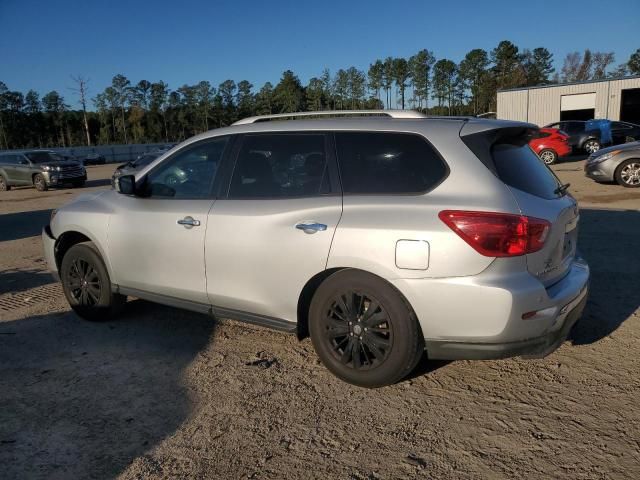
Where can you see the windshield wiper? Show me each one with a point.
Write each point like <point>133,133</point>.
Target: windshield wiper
<point>562,189</point>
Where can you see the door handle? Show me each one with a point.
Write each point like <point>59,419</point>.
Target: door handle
<point>189,222</point>
<point>311,227</point>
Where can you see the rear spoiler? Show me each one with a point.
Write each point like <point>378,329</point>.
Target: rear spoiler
<point>480,138</point>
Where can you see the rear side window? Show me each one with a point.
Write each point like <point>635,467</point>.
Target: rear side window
<point>387,163</point>
<point>519,167</point>
<point>281,165</point>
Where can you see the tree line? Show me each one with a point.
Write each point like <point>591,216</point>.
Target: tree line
<point>146,111</point>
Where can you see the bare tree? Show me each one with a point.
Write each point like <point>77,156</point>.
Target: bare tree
<point>81,91</point>
<point>601,61</point>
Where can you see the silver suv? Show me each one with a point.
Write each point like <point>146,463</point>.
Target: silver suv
<point>40,168</point>
<point>383,236</point>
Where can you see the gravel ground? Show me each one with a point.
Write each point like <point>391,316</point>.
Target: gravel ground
<point>162,393</point>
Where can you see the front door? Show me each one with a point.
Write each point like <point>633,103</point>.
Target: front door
<point>23,170</point>
<point>156,239</point>
<point>273,231</point>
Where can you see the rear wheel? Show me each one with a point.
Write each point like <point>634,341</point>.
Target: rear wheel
<point>591,146</point>
<point>363,330</point>
<point>628,173</point>
<point>86,284</point>
<point>40,183</point>
<point>548,156</point>
<point>4,186</point>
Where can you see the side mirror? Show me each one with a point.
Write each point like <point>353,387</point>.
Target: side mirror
<point>24,162</point>
<point>126,185</point>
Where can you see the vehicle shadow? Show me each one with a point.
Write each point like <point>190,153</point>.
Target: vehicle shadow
<point>608,240</point>
<point>102,182</point>
<point>577,157</point>
<point>14,226</point>
<point>83,400</point>
<point>15,280</point>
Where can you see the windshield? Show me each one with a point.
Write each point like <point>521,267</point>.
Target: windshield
<point>43,157</point>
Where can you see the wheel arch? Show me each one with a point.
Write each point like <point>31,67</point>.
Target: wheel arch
<point>72,237</point>
<point>312,285</point>
<point>618,169</point>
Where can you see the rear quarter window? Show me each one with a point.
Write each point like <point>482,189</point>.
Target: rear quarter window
<point>519,167</point>
<point>388,163</point>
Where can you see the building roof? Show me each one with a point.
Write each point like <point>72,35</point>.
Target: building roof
<point>550,85</point>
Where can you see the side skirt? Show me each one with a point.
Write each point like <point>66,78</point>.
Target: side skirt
<point>252,318</point>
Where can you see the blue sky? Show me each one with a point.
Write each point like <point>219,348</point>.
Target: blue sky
<point>43,42</point>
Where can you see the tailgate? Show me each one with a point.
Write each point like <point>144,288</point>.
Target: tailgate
<point>553,262</point>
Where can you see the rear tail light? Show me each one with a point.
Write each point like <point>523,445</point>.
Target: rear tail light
<point>498,234</point>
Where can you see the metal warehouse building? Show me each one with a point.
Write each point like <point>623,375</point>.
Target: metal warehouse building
<point>613,99</point>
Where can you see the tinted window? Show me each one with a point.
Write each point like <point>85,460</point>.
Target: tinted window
<point>573,127</point>
<point>620,126</point>
<point>519,167</point>
<point>189,173</point>
<point>8,159</point>
<point>280,165</point>
<point>387,163</point>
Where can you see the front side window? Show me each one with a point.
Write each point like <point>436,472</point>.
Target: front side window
<point>387,163</point>
<point>189,173</point>
<point>280,165</point>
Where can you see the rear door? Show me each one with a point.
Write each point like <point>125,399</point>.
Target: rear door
<point>536,190</point>
<point>273,231</point>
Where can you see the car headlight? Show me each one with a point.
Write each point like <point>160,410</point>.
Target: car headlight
<point>606,156</point>
<point>46,168</point>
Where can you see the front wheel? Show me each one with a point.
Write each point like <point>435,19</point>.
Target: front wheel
<point>591,146</point>
<point>4,186</point>
<point>363,330</point>
<point>78,184</point>
<point>40,183</point>
<point>628,173</point>
<point>86,284</point>
<point>548,156</point>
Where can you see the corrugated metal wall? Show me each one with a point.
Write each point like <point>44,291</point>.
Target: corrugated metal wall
<point>542,105</point>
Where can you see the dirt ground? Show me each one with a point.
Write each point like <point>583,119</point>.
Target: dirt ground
<point>162,393</point>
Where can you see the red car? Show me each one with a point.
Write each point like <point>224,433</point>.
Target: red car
<point>550,144</point>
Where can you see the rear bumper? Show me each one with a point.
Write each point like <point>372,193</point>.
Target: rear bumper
<point>481,316</point>
<point>533,348</point>
<point>563,149</point>
<point>49,247</point>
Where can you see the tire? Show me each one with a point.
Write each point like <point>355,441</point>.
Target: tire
<point>591,146</point>
<point>79,184</point>
<point>4,186</point>
<point>86,284</point>
<point>548,156</point>
<point>40,183</point>
<point>628,173</point>
<point>389,341</point>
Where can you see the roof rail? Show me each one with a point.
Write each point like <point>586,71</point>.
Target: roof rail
<point>333,113</point>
